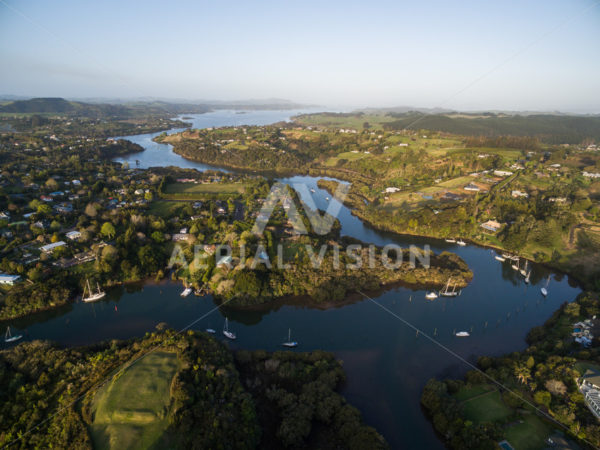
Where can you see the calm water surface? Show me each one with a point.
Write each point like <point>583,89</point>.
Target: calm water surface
<point>387,364</point>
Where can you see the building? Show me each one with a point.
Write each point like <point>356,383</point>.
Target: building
<point>74,235</point>
<point>391,190</point>
<point>590,388</point>
<point>472,187</point>
<point>49,248</point>
<point>502,173</point>
<point>591,174</point>
<point>491,225</point>
<point>181,237</point>
<point>516,194</point>
<point>8,279</point>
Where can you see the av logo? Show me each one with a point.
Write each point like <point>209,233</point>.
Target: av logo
<point>280,193</point>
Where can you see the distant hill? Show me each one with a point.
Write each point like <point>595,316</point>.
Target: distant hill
<point>58,105</point>
<point>556,129</point>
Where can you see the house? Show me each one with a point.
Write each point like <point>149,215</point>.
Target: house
<point>45,198</point>
<point>452,196</point>
<point>491,225</point>
<point>224,261</point>
<point>391,190</point>
<point>516,194</point>
<point>181,237</point>
<point>74,235</point>
<point>4,215</point>
<point>64,208</point>
<point>8,279</point>
<point>590,388</point>
<point>472,187</point>
<point>591,174</point>
<point>502,173</point>
<point>49,248</point>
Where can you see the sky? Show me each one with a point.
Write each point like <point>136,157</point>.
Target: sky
<point>469,55</point>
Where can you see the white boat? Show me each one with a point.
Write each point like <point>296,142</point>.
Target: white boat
<point>92,296</point>
<point>449,293</point>
<point>523,271</point>
<point>186,292</point>
<point>8,337</point>
<point>431,295</point>
<point>500,258</point>
<point>527,277</point>
<point>210,330</point>
<point>226,332</point>
<point>516,266</point>
<point>327,198</point>
<point>461,243</point>
<point>289,342</point>
<point>312,190</point>
<point>450,241</point>
<point>544,290</point>
<point>462,334</point>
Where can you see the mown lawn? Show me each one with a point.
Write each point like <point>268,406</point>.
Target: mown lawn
<point>209,188</point>
<point>486,408</point>
<point>131,410</point>
<point>529,435</point>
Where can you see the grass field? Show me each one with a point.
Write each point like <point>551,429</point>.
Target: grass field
<point>192,191</point>
<point>131,410</point>
<point>529,435</point>
<point>163,208</point>
<point>486,407</point>
<point>356,122</point>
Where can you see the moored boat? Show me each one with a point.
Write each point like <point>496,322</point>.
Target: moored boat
<point>431,295</point>
<point>289,342</point>
<point>462,334</point>
<point>187,291</point>
<point>8,337</point>
<point>228,334</point>
<point>92,296</point>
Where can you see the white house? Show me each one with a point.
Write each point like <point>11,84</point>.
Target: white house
<point>73,235</point>
<point>472,187</point>
<point>391,190</point>
<point>516,194</point>
<point>591,174</point>
<point>8,279</point>
<point>49,248</point>
<point>502,173</point>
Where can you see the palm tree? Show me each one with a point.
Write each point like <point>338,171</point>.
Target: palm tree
<point>523,374</point>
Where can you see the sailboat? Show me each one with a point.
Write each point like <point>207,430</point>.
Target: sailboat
<point>516,266</point>
<point>8,337</point>
<point>431,295</point>
<point>187,291</point>
<point>92,297</point>
<point>461,243</point>
<point>523,271</point>
<point>289,342</point>
<point>544,290</point>
<point>447,292</point>
<point>226,332</point>
<point>527,277</point>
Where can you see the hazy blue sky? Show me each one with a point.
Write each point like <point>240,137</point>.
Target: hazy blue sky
<point>338,53</point>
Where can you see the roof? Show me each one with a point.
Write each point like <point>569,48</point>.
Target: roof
<point>592,377</point>
<point>47,248</point>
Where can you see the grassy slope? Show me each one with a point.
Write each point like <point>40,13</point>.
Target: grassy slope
<point>131,410</point>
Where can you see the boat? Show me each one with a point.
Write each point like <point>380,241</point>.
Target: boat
<point>312,190</point>
<point>523,271</point>
<point>92,297</point>
<point>527,277</point>
<point>449,293</point>
<point>450,241</point>
<point>461,243</point>
<point>187,291</point>
<point>500,258</point>
<point>226,332</point>
<point>516,266</point>
<point>544,290</point>
<point>431,295</point>
<point>327,198</point>
<point>289,342</point>
<point>507,256</point>
<point>8,337</point>
<point>210,330</point>
<point>462,334</point>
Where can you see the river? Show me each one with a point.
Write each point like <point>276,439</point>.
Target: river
<point>386,362</point>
